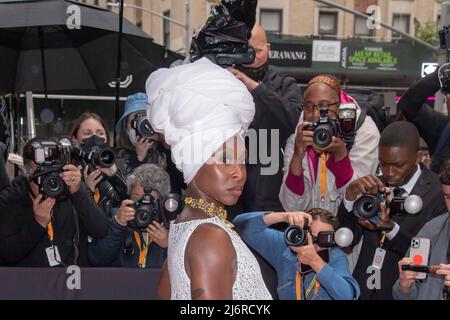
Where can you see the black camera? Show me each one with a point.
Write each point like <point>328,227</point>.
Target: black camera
<point>224,37</point>
<point>142,126</point>
<point>51,157</point>
<point>368,206</point>
<point>95,152</point>
<point>151,208</point>
<point>296,236</point>
<point>325,129</point>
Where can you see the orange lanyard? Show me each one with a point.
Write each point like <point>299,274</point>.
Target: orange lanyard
<point>299,284</point>
<point>383,237</point>
<point>323,175</point>
<point>97,196</point>
<point>142,249</point>
<point>50,231</point>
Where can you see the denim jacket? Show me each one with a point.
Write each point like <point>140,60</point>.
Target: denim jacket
<point>336,281</point>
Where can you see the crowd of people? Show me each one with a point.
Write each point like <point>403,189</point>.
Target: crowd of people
<point>91,205</point>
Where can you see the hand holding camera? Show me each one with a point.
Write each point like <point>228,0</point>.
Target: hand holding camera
<point>337,148</point>
<point>126,213</point>
<point>365,185</point>
<point>292,218</point>
<point>303,140</point>
<point>43,209</point>
<point>92,179</point>
<point>158,233</point>
<point>72,177</point>
<point>381,222</point>
<point>307,254</point>
<point>142,147</point>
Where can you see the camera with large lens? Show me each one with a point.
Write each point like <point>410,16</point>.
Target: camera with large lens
<point>142,126</point>
<point>296,236</point>
<point>51,157</point>
<point>95,152</point>
<point>224,37</point>
<point>325,129</point>
<point>368,206</point>
<point>159,209</point>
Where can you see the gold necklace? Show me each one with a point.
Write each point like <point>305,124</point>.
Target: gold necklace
<point>211,209</point>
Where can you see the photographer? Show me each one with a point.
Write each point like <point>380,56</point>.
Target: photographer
<point>108,182</point>
<point>390,235</point>
<point>277,102</point>
<point>38,232</point>
<point>139,144</point>
<point>327,280</point>
<point>123,247</point>
<point>433,126</point>
<point>437,284</point>
<point>316,177</point>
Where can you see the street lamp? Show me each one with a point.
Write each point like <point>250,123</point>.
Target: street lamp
<point>185,26</point>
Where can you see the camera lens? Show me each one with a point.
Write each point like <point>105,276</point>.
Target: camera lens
<point>145,129</point>
<point>106,158</point>
<point>322,137</point>
<point>367,207</point>
<point>53,186</point>
<point>295,236</point>
<point>144,217</point>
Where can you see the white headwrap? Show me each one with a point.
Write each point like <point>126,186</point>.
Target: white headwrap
<point>197,107</point>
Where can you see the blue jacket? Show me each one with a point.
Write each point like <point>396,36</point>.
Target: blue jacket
<point>110,251</point>
<point>336,281</point>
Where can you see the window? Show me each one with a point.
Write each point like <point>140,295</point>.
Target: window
<point>361,27</point>
<point>166,29</point>
<point>328,22</point>
<point>271,20</point>
<point>401,22</point>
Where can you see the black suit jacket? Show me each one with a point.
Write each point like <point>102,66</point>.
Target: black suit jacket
<point>429,188</point>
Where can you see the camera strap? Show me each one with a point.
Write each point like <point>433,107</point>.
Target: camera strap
<point>299,280</point>
<point>143,248</point>
<point>323,175</point>
<point>96,195</point>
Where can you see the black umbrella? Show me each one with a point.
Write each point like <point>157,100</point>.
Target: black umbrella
<point>34,34</point>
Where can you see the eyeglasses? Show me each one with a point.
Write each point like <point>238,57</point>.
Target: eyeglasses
<point>309,107</point>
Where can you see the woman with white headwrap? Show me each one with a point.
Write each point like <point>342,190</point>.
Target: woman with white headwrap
<point>201,110</point>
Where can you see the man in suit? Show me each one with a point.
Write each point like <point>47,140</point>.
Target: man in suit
<point>385,242</point>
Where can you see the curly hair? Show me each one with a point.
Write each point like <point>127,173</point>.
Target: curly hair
<point>150,176</point>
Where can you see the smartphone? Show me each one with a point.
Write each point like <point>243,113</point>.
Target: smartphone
<point>419,253</point>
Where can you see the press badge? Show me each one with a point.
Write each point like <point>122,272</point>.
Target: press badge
<point>53,256</point>
<point>378,259</point>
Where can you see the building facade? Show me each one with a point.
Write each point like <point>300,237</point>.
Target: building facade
<point>291,17</point>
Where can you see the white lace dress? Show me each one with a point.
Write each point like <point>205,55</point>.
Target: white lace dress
<point>249,284</point>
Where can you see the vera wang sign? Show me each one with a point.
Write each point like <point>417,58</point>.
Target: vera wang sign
<point>291,55</point>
